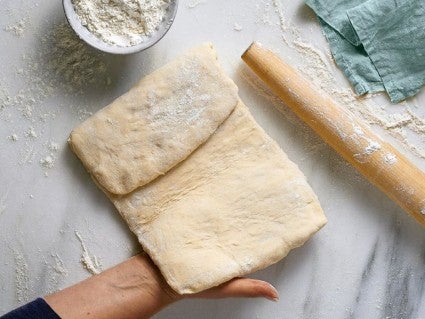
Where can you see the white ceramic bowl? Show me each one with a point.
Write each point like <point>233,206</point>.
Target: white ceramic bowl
<point>84,34</point>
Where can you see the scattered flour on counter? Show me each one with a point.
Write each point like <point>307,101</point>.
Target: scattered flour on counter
<point>17,29</point>
<point>390,159</point>
<point>56,272</point>
<point>27,111</point>
<point>195,3</point>
<point>30,133</point>
<point>237,27</point>
<point>60,65</point>
<point>53,273</point>
<point>59,266</point>
<point>14,137</point>
<point>122,23</point>
<point>4,97</point>
<point>278,9</point>
<point>74,61</point>
<point>89,261</point>
<point>48,162</point>
<point>22,282</point>
<point>53,146</point>
<point>265,18</point>
<point>27,154</point>
<point>3,203</point>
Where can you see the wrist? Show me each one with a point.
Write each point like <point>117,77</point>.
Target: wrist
<point>145,276</point>
<point>133,289</point>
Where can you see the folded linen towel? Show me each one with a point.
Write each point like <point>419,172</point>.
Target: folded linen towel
<point>379,44</point>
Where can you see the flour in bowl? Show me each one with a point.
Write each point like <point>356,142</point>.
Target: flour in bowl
<point>121,22</point>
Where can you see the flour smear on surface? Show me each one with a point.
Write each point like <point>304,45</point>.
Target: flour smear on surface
<point>121,22</point>
<point>3,203</point>
<point>61,66</point>
<point>89,261</point>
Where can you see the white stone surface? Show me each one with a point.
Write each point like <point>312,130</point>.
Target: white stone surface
<point>368,262</point>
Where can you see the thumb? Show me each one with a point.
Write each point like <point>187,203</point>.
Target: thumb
<point>241,287</point>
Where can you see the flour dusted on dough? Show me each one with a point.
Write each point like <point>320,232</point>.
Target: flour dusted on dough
<point>158,123</point>
<point>121,22</point>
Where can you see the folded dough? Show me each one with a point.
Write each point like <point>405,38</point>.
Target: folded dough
<point>230,203</point>
<point>236,205</point>
<point>158,123</point>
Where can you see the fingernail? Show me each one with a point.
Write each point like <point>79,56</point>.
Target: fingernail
<point>274,299</point>
<point>275,294</point>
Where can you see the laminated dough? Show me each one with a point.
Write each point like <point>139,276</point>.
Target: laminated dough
<point>236,205</point>
<point>158,123</point>
<point>209,195</point>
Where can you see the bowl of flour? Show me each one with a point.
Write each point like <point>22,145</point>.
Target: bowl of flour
<point>120,26</point>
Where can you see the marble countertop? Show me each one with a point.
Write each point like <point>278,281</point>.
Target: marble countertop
<point>368,262</point>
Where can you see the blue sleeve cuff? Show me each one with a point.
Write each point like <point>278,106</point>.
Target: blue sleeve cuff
<point>38,309</point>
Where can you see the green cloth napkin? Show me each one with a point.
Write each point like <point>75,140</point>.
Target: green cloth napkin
<point>335,15</point>
<point>379,44</point>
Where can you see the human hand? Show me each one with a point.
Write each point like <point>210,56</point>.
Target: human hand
<point>136,289</point>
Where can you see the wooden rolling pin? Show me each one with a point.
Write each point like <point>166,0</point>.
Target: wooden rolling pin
<point>377,160</point>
